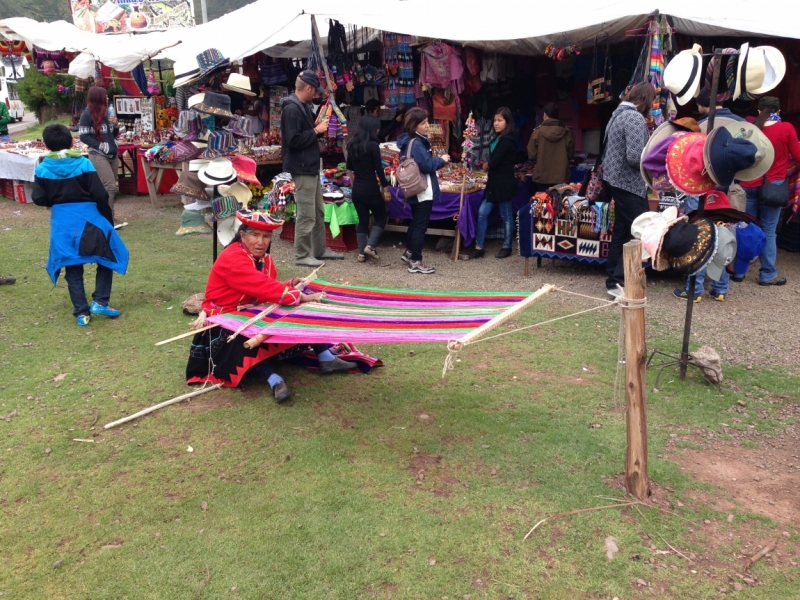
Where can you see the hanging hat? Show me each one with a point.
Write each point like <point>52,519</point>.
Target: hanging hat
<point>683,74</point>
<point>260,220</point>
<point>195,100</point>
<point>192,221</point>
<point>738,150</point>
<point>224,207</point>
<point>239,83</point>
<point>750,243</point>
<point>186,71</point>
<point>198,205</point>
<point>219,143</point>
<point>226,229</point>
<point>654,156</point>
<point>188,184</point>
<point>245,169</point>
<point>217,172</point>
<point>211,59</point>
<point>751,70</point>
<point>685,165</point>
<point>239,191</point>
<point>725,254</point>
<point>218,105</point>
<point>650,227</point>
<point>774,71</point>
<point>240,127</point>
<point>689,123</point>
<point>689,247</point>
<point>718,122</point>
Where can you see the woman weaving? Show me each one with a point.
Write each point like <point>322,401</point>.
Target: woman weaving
<point>245,274</point>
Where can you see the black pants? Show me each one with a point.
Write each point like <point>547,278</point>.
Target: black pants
<point>77,293</point>
<point>365,204</point>
<point>421,216</point>
<point>627,206</point>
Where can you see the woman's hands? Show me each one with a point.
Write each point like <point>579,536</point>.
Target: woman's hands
<point>387,195</point>
<point>295,281</point>
<point>319,297</point>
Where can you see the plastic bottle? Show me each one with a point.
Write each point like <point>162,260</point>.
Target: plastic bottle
<point>111,111</point>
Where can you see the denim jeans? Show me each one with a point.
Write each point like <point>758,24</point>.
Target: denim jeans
<point>506,213</point>
<point>77,293</point>
<point>717,287</point>
<point>421,216</point>
<point>769,216</point>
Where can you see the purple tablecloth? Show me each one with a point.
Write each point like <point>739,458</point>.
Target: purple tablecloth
<point>446,207</point>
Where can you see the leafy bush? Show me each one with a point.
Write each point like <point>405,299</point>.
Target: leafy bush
<point>39,92</point>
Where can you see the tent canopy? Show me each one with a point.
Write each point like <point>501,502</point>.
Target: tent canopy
<point>513,26</point>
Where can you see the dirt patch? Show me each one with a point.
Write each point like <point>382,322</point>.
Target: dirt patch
<point>432,474</point>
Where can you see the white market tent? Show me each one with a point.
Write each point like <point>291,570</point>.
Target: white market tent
<point>511,26</point>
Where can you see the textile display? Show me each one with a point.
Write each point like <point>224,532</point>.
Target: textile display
<point>17,166</point>
<point>358,314</point>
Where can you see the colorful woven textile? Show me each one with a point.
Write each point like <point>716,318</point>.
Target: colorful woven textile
<point>357,314</point>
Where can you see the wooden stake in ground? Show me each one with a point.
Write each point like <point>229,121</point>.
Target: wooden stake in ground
<point>632,301</point>
<point>457,244</point>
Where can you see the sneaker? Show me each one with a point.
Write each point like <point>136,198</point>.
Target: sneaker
<point>83,320</point>
<point>7,280</point>
<point>406,256</point>
<point>120,225</point>
<point>682,295</point>
<point>281,392</point>
<point>370,251</point>
<point>776,281</point>
<point>737,278</point>
<point>361,258</point>
<point>477,253</point>
<point>336,365</point>
<point>330,255</point>
<point>504,253</point>
<point>105,311</point>
<point>416,266</point>
<point>614,292</point>
<point>717,297</point>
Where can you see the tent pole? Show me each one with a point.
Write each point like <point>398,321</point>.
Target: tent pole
<point>322,54</point>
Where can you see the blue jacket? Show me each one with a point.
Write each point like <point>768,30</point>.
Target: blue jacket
<point>428,164</point>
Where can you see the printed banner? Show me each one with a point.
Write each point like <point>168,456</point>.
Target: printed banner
<point>125,16</point>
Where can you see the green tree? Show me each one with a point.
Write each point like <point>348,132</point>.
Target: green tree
<point>40,93</point>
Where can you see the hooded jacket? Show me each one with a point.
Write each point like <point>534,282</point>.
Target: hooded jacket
<point>551,147</point>
<point>298,138</point>
<point>428,164</point>
<point>81,225</point>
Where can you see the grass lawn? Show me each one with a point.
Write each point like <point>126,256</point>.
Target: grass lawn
<point>396,484</point>
<point>34,132</point>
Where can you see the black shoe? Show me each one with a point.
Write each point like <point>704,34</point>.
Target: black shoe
<point>504,253</point>
<point>336,365</point>
<point>281,392</point>
<point>737,278</point>
<point>776,281</point>
<point>477,253</point>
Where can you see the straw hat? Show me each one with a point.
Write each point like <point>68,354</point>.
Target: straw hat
<point>239,83</point>
<point>195,100</point>
<point>751,70</point>
<point>683,74</point>
<point>239,191</point>
<point>217,172</point>
<point>226,229</point>
<point>775,69</point>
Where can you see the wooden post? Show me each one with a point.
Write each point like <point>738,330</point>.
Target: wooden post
<point>457,244</point>
<point>636,480</point>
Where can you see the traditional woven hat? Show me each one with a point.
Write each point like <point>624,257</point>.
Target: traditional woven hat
<point>189,184</point>
<point>219,143</point>
<point>217,172</point>
<point>224,207</point>
<point>685,165</point>
<point>751,70</point>
<point>218,105</point>
<point>683,74</point>
<point>739,150</point>
<point>239,83</point>
<point>240,127</point>
<point>260,220</point>
<point>245,169</point>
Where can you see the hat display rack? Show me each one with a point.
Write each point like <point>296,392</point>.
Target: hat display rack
<point>685,359</point>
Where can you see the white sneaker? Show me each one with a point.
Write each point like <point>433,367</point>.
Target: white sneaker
<point>614,292</point>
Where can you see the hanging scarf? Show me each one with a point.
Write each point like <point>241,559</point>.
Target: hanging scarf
<point>774,117</point>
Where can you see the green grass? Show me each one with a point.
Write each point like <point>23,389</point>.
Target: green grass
<point>322,498</point>
<point>34,132</point>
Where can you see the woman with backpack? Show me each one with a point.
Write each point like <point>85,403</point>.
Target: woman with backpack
<point>415,136</point>
<point>364,160</point>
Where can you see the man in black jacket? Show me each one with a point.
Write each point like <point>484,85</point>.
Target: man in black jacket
<point>301,158</point>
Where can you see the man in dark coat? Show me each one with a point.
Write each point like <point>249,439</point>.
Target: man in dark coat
<point>301,158</point>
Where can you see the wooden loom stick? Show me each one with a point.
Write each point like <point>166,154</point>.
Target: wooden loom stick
<point>147,411</point>
<point>185,335</point>
<point>457,245</point>
<point>300,286</point>
<point>455,345</point>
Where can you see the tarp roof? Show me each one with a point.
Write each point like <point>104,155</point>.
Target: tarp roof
<point>513,26</point>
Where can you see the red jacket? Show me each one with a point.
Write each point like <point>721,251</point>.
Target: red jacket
<point>784,139</point>
<point>235,281</point>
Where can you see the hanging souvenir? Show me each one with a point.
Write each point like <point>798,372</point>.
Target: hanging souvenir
<point>561,54</point>
<point>599,89</point>
<point>152,86</point>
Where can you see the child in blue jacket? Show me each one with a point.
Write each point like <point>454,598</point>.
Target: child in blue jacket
<point>81,224</point>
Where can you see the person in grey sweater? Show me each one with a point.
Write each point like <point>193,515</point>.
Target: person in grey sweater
<point>626,137</point>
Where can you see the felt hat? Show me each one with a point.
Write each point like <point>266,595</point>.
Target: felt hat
<point>683,74</point>
<point>311,78</point>
<point>189,184</point>
<point>260,220</point>
<point>239,83</point>
<point>245,169</point>
<point>217,172</point>
<point>738,150</point>
<point>224,207</point>
<point>751,70</point>
<point>689,247</point>
<point>750,243</point>
<point>226,229</point>
<point>725,254</point>
<point>775,69</point>
<point>218,105</point>
<point>685,165</point>
<point>689,123</point>
<point>237,190</point>
<point>654,155</point>
<point>650,226</point>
